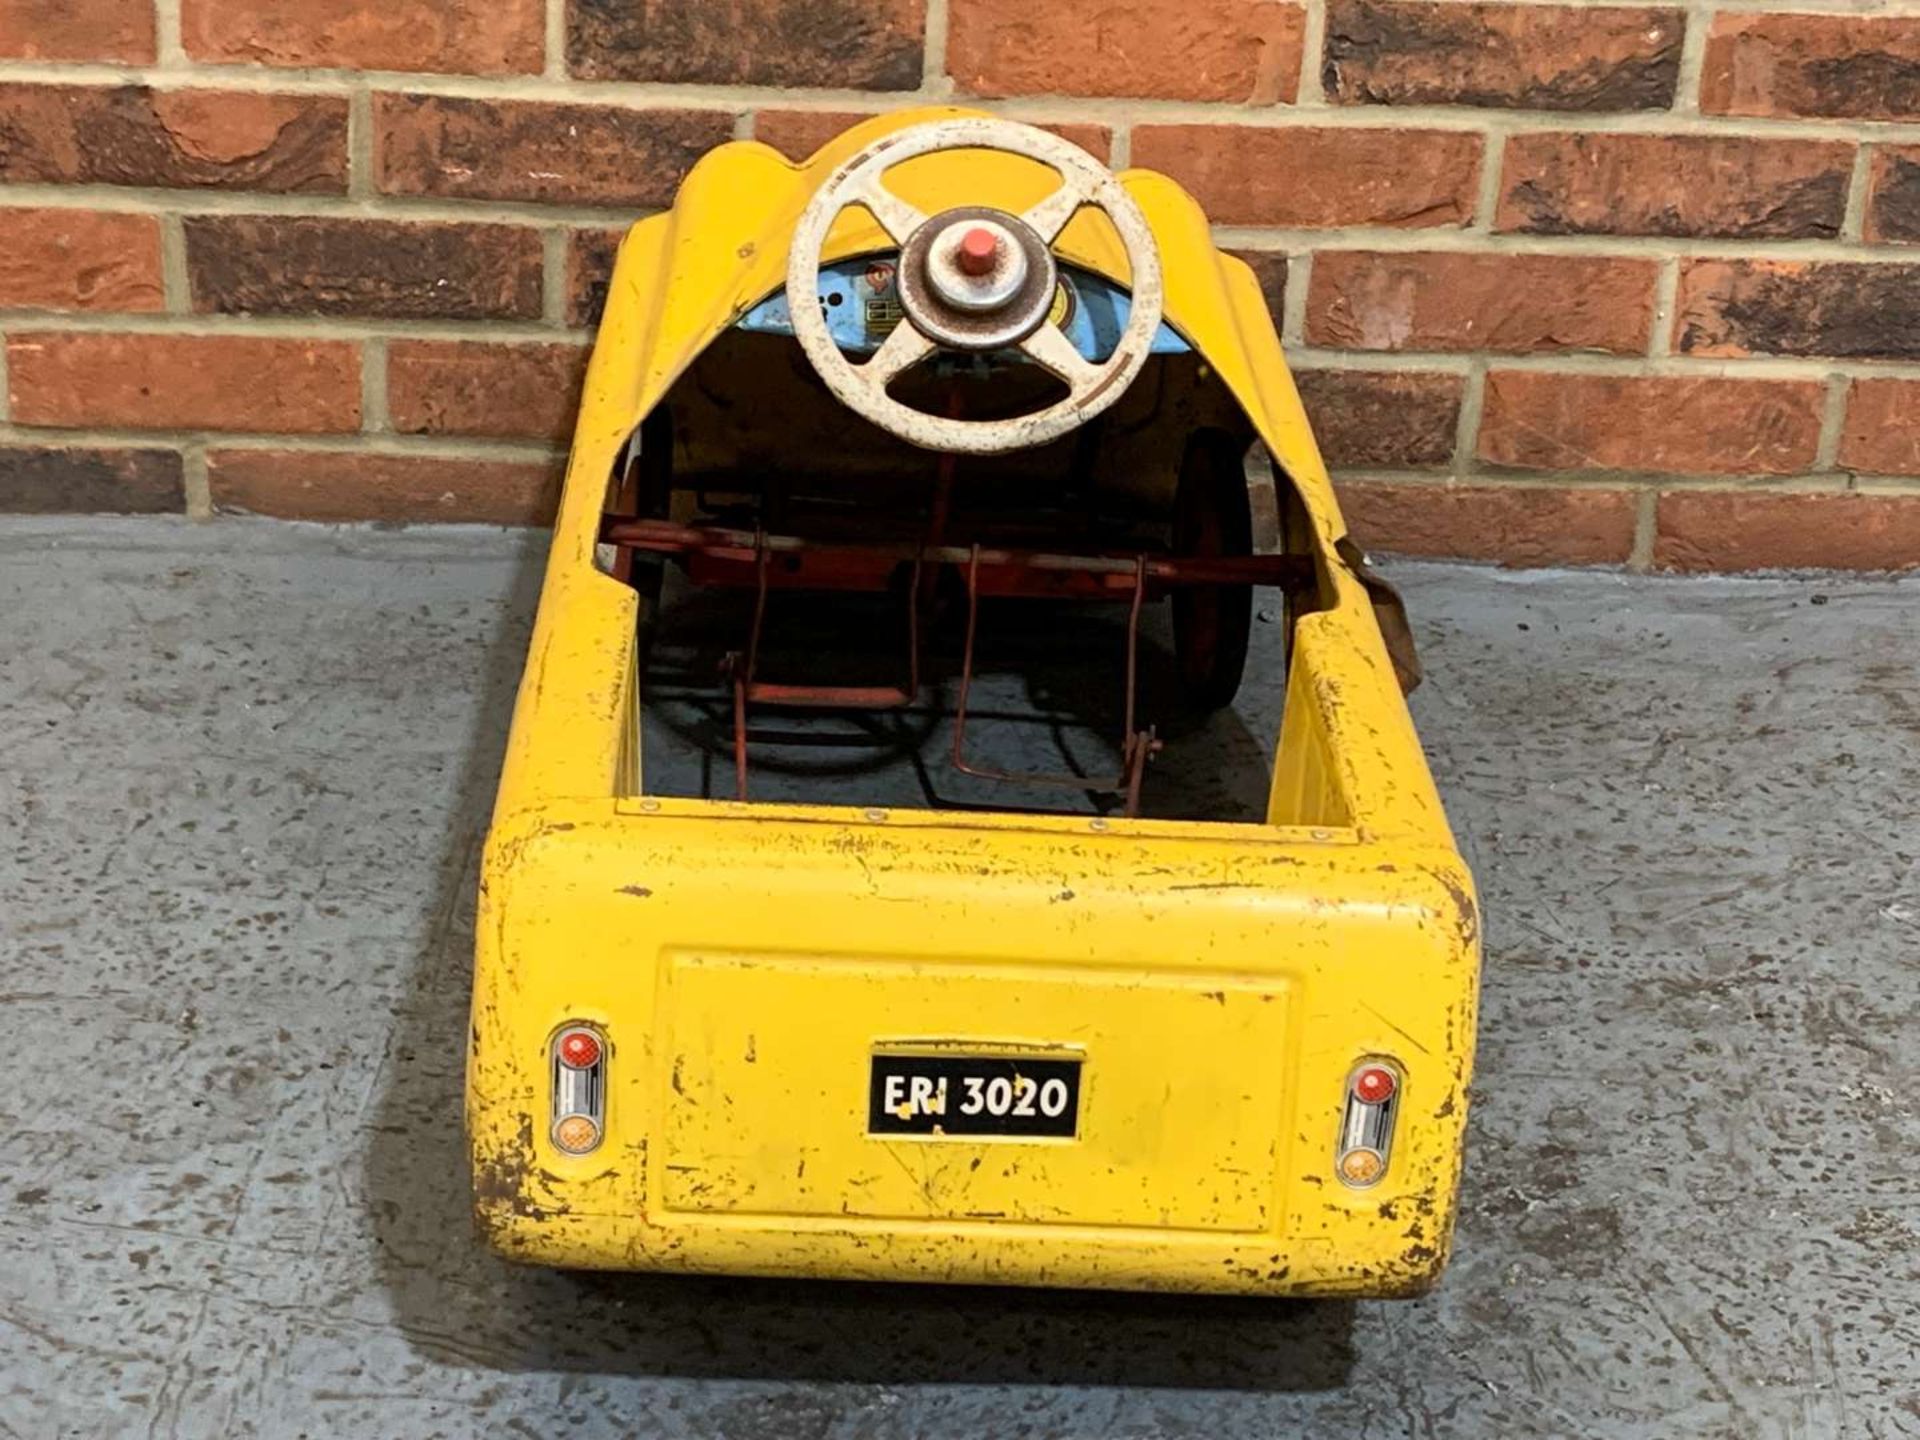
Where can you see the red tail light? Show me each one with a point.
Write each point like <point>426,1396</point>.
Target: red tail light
<point>1374,1085</point>
<point>579,1090</point>
<point>1366,1126</point>
<point>579,1049</point>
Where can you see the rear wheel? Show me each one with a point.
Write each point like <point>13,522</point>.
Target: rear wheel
<point>1212,623</point>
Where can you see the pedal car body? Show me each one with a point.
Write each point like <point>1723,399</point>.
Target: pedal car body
<point>837,1039</point>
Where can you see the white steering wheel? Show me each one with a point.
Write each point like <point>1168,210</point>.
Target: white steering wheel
<point>974,278</point>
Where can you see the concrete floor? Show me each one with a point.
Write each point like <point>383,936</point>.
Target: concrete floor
<point>246,771</point>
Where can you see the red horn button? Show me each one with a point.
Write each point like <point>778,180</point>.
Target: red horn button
<point>979,248</point>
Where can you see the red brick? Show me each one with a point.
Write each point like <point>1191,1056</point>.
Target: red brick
<point>530,150</point>
<point>798,133</point>
<point>1882,431</point>
<point>1243,51</point>
<point>1736,187</point>
<point>184,382</point>
<point>1270,269</point>
<point>313,265</point>
<point>1852,309</point>
<point>207,139</point>
<point>51,480</point>
<point>836,44</point>
<point>79,260</point>
<point>1893,195</point>
<point>469,37</point>
<point>1660,424</point>
<point>1848,67</point>
<point>1773,530</point>
<point>1315,176</point>
<point>1536,57</point>
<point>437,387</point>
<point>589,269</point>
<point>77,30</point>
<point>335,485</point>
<point>1511,524</point>
<point>1511,304</point>
<point>1380,419</point>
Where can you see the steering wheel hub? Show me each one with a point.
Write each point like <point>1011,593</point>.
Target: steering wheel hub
<point>975,278</point>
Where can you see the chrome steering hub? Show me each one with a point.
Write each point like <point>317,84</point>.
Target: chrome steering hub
<point>975,278</point>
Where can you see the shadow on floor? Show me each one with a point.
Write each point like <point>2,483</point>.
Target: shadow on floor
<point>458,1305</point>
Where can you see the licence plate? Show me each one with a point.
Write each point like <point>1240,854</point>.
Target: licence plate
<point>973,1095</point>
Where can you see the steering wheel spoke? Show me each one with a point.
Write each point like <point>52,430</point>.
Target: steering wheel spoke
<point>1055,353</point>
<point>1050,216</point>
<point>903,348</point>
<point>899,218</point>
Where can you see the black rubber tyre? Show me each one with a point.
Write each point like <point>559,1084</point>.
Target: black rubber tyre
<point>1212,623</point>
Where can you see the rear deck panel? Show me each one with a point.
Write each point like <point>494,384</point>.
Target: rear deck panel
<point>745,971</point>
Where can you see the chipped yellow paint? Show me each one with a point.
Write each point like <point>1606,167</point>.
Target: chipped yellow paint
<point>745,961</point>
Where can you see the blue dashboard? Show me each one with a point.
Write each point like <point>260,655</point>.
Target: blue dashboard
<point>862,304</point>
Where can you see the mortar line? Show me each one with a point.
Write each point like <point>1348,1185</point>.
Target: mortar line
<point>1293,320</point>
<point>1119,146</point>
<point>1854,218</point>
<point>360,156</point>
<point>1491,479</point>
<point>1833,424</point>
<point>387,444</point>
<point>1666,291</point>
<point>307,327</point>
<point>1804,484</point>
<point>1646,513</point>
<point>1631,481</point>
<point>441,209</point>
<point>168,48</point>
<point>1754,368</point>
<point>1466,433</point>
<point>1493,164</point>
<point>553,277</point>
<point>195,482</point>
<point>1311,92</point>
<point>935,82</point>
<point>394,446</point>
<point>631,95</point>
<point>375,417</point>
<point>176,283</point>
<point>555,64</point>
<point>6,386</point>
<point>1693,57</point>
<point>424,208</point>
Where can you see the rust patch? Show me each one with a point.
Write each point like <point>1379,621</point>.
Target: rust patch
<point>1467,914</point>
<point>639,892</point>
<point>500,1186</point>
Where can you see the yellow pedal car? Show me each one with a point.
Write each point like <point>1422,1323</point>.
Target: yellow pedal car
<point>953,370</point>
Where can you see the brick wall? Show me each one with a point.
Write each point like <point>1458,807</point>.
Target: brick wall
<point>1563,282</point>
